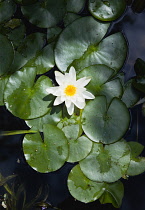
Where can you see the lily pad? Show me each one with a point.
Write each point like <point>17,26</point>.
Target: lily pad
<point>25,98</point>
<point>53,33</point>
<point>75,5</point>
<point>111,51</point>
<point>105,124</point>
<point>52,117</point>
<point>76,39</point>
<point>46,13</point>
<point>44,60</point>
<point>79,148</point>
<point>100,83</point>
<point>82,188</point>
<point>107,10</point>
<point>48,154</point>
<point>3,81</point>
<point>7,9</point>
<point>106,163</point>
<point>69,18</point>
<point>6,54</point>
<point>113,193</point>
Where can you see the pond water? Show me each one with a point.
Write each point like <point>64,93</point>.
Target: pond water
<point>53,185</point>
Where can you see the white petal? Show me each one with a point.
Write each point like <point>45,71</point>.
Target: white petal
<point>70,109</point>
<point>52,89</point>
<point>72,73</point>
<point>59,77</point>
<point>79,104</point>
<point>83,81</point>
<point>88,95</point>
<point>68,103</point>
<point>58,101</point>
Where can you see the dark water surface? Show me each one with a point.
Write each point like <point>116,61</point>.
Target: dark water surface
<point>54,184</point>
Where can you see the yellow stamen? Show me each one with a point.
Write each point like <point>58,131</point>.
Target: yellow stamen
<point>70,90</point>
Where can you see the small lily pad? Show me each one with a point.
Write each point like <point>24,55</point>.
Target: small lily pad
<point>48,154</point>
<point>7,9</point>
<point>106,163</point>
<point>25,98</point>
<point>46,13</point>
<point>113,193</point>
<point>6,54</point>
<point>82,188</point>
<point>79,148</point>
<point>107,10</point>
<point>105,124</point>
<point>75,40</point>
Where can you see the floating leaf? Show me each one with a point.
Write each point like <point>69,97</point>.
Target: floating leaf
<point>3,81</point>
<point>6,54</point>
<point>100,83</point>
<point>102,124</point>
<point>130,96</point>
<point>82,188</point>
<point>52,117</point>
<point>26,99</point>
<point>69,18</point>
<point>136,148</point>
<point>106,163</point>
<point>48,154</point>
<point>79,148</point>
<point>7,9</point>
<point>44,60</point>
<point>76,39</point>
<point>107,10</point>
<point>46,13</point>
<point>113,193</point>
<point>53,33</point>
<point>75,5</point>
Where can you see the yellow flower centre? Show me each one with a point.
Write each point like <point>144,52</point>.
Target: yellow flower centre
<point>70,90</point>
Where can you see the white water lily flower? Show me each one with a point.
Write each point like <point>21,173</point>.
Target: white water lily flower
<point>70,90</point>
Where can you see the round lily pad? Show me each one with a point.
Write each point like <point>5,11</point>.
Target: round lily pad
<point>45,13</point>
<point>25,98</point>
<point>107,10</point>
<point>79,148</point>
<point>100,83</point>
<point>105,124</point>
<point>111,51</point>
<point>48,154</point>
<point>7,9</point>
<point>6,54</point>
<point>76,39</point>
<point>82,188</point>
<point>106,163</point>
<point>52,117</point>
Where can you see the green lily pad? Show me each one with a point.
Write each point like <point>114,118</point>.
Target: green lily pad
<point>25,98</point>
<point>75,5</point>
<point>7,9</point>
<point>113,193</point>
<point>79,148</point>
<point>48,154</point>
<point>3,81</point>
<point>130,95</point>
<point>46,13</point>
<point>106,163</point>
<point>105,124</point>
<point>53,33</point>
<point>69,18</point>
<point>52,117</point>
<point>44,60</point>
<point>136,148</point>
<point>75,40</point>
<point>107,10</point>
<point>6,55</point>
<point>100,83</point>
<point>111,51</point>
<point>82,188</point>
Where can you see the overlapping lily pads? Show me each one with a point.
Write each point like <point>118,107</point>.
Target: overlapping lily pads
<point>105,124</point>
<point>6,54</point>
<point>45,13</point>
<point>25,98</point>
<point>107,10</point>
<point>48,154</point>
<point>7,9</point>
<point>106,163</point>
